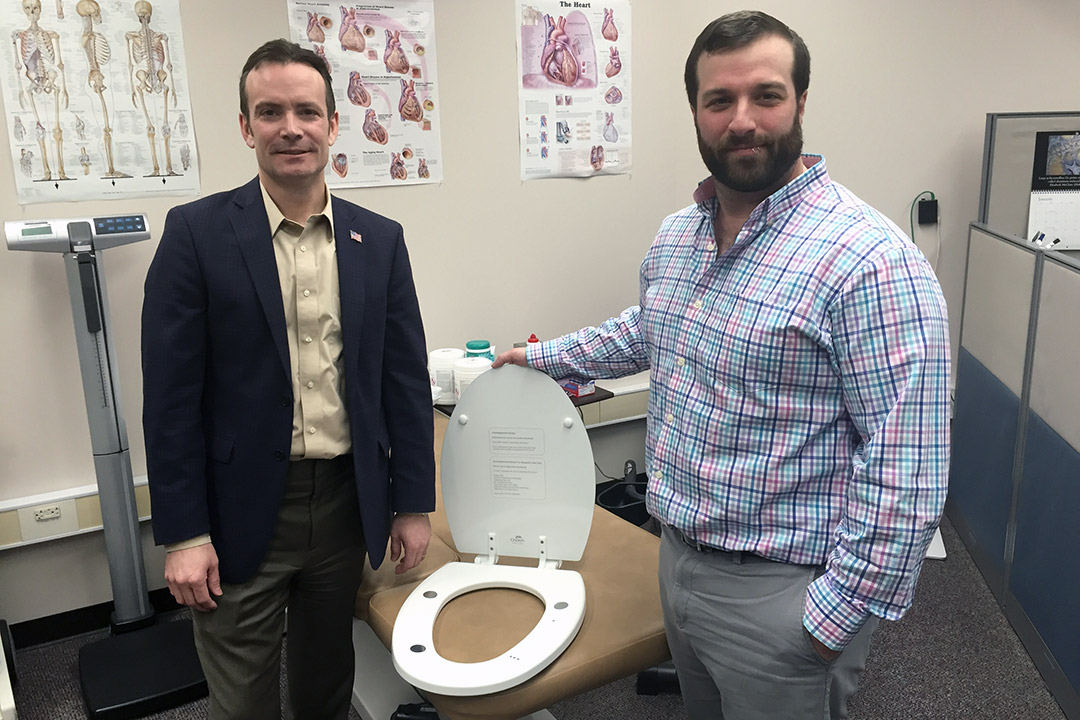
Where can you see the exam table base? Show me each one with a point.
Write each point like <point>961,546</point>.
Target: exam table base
<point>378,690</point>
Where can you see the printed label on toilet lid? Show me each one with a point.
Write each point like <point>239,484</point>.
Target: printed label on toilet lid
<point>518,477</point>
<point>529,441</point>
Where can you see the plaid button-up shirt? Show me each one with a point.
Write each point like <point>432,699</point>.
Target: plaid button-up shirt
<point>799,403</point>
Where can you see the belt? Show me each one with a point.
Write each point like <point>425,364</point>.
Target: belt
<point>738,557</point>
<point>321,465</point>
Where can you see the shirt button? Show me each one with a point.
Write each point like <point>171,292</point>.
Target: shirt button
<point>306,293</point>
<point>307,339</point>
<point>303,248</point>
<point>710,246</point>
<point>669,418</point>
<point>680,362</point>
<point>658,475</point>
<point>697,304</point>
<point>310,384</point>
<point>278,455</point>
<point>311,430</point>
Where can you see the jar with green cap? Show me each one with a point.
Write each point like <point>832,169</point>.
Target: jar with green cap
<point>480,348</point>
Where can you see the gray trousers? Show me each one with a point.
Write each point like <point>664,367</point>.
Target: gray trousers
<point>313,567</point>
<point>736,635</point>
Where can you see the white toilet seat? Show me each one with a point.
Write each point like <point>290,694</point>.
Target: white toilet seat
<point>517,480</point>
<point>413,646</point>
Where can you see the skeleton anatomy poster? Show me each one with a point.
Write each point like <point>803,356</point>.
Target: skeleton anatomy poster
<point>95,93</point>
<point>381,57</point>
<point>574,100</point>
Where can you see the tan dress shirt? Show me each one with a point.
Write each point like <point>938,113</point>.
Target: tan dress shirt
<point>307,269</point>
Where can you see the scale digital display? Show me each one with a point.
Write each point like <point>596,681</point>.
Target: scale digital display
<point>40,230</point>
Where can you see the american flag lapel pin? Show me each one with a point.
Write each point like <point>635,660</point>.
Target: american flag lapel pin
<point>356,236</point>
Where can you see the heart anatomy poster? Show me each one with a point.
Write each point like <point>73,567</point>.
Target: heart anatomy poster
<point>574,99</point>
<point>381,57</point>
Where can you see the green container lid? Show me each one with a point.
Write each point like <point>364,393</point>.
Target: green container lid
<point>474,345</point>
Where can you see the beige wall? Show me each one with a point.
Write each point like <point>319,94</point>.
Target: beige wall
<point>897,103</point>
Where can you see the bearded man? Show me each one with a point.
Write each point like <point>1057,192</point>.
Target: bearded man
<point>797,439</point>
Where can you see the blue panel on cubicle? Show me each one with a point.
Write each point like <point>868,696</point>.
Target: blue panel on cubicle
<point>1046,568</point>
<point>985,419</point>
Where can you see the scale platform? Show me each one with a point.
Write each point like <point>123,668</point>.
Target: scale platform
<point>141,672</point>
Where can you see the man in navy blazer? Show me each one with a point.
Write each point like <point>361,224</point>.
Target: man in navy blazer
<point>287,408</point>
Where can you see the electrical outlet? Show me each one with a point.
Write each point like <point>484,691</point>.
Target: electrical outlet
<point>47,513</point>
<point>59,517</point>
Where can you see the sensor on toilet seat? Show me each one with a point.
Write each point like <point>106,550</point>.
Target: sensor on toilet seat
<point>517,480</point>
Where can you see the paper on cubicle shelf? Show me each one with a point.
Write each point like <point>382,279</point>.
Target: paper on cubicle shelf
<point>1054,209</point>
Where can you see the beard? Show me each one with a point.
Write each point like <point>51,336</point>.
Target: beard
<point>761,171</point>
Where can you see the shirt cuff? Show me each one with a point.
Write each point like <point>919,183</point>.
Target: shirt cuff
<point>830,617</point>
<point>543,355</point>
<point>185,544</point>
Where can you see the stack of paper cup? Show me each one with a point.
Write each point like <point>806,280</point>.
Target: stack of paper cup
<point>466,370</point>
<point>441,370</point>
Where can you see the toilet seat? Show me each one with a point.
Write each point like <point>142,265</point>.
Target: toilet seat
<point>517,480</point>
<point>561,591</point>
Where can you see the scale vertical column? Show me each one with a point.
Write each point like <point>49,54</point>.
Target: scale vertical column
<point>108,436</point>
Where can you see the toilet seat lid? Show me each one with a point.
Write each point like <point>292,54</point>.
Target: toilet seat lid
<point>517,462</point>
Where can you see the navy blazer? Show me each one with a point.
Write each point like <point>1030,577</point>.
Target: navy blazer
<point>217,395</point>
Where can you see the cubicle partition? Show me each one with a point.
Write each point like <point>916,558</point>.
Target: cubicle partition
<point>1005,190</point>
<point>1014,487</point>
<point>995,324</point>
<point>1045,581</point>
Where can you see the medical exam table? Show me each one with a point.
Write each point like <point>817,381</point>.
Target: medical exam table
<point>622,634</point>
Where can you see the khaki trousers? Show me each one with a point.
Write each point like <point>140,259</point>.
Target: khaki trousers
<point>313,567</point>
<point>734,627</point>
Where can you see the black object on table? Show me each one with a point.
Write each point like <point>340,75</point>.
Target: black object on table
<point>598,395</point>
